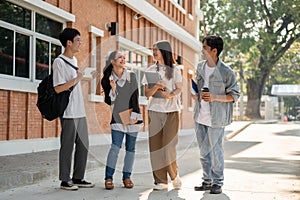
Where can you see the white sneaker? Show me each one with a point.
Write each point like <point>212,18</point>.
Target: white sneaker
<point>160,186</point>
<point>177,183</point>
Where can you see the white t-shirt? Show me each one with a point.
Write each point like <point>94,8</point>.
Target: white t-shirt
<point>162,104</point>
<point>63,73</point>
<point>204,112</point>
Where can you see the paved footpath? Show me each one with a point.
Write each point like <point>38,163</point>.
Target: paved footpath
<point>262,162</point>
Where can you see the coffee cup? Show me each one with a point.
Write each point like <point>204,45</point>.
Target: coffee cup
<point>205,89</point>
<point>205,93</point>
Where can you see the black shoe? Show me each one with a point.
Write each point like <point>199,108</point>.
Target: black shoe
<point>203,187</point>
<point>216,189</point>
<point>82,183</point>
<point>68,185</point>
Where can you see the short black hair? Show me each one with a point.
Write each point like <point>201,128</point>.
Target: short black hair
<point>214,41</point>
<point>68,34</point>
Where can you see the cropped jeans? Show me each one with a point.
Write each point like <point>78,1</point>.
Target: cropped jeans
<point>117,139</point>
<point>210,141</point>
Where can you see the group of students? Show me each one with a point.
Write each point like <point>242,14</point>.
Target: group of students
<point>212,113</point>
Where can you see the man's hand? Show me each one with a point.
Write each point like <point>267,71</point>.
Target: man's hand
<point>80,75</point>
<point>95,74</point>
<point>206,97</point>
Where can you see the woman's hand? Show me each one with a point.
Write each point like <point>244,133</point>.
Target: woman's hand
<point>113,84</point>
<point>166,93</point>
<point>160,85</point>
<point>195,96</point>
<point>133,121</point>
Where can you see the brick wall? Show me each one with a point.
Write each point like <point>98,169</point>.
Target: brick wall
<point>20,118</point>
<point>4,114</point>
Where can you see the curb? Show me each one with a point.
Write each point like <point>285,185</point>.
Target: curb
<point>234,133</point>
<point>19,178</point>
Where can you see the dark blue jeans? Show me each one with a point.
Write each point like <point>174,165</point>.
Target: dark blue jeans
<point>117,139</point>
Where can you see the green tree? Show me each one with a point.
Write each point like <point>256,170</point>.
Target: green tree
<point>260,30</point>
<point>287,71</point>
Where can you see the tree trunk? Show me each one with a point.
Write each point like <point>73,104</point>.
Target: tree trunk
<point>253,102</point>
<point>255,89</point>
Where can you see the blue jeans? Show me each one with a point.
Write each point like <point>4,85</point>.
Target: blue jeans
<point>117,139</point>
<point>210,141</point>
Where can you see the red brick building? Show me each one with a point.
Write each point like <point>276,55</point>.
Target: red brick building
<point>29,43</point>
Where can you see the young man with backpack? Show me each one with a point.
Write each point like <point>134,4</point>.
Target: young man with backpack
<point>73,122</point>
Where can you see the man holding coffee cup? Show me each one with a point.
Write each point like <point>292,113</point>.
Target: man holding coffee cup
<point>217,91</point>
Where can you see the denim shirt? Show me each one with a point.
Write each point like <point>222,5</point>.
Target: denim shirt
<point>221,82</point>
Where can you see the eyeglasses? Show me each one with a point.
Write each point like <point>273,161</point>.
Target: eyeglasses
<point>121,56</point>
<point>78,40</point>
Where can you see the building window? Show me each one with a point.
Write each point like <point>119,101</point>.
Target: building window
<point>14,53</point>
<point>15,14</point>
<point>136,62</point>
<point>29,42</point>
<point>45,55</point>
<point>6,51</point>
<point>21,55</point>
<point>190,7</point>
<point>179,2</point>
<point>47,26</point>
<point>95,45</point>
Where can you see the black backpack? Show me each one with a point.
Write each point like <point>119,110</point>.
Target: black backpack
<point>51,104</point>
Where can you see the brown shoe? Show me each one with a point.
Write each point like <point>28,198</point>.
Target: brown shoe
<point>109,184</point>
<point>128,183</point>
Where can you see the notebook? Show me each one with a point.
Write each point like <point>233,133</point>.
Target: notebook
<point>88,73</point>
<point>152,79</point>
<point>194,86</point>
<point>125,116</point>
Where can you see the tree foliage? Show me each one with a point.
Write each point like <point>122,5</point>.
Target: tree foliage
<point>257,31</point>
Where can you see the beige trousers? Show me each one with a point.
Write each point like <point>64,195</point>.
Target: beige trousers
<point>163,139</point>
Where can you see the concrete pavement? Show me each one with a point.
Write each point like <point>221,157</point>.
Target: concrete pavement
<point>262,162</point>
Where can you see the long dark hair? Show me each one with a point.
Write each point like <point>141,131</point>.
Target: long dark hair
<point>105,83</point>
<point>167,54</point>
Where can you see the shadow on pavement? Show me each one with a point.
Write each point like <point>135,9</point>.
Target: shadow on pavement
<point>289,133</point>
<point>172,194</point>
<point>234,147</point>
<point>208,196</point>
<point>260,164</point>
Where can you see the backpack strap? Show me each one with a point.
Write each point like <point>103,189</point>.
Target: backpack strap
<point>76,68</point>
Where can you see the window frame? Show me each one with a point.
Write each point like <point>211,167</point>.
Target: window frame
<point>140,50</point>
<point>16,83</point>
<point>95,32</point>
